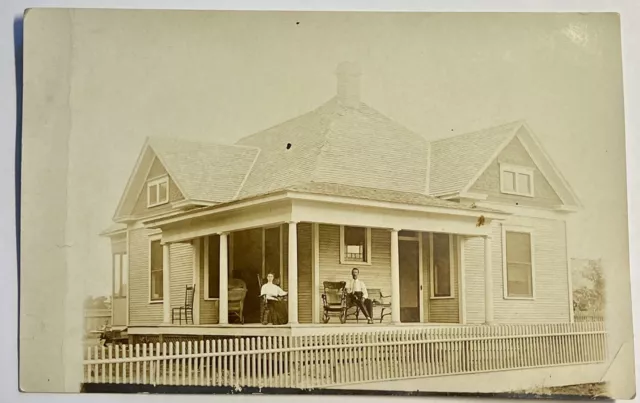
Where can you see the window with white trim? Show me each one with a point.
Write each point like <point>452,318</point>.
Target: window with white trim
<point>156,273</point>
<point>516,180</point>
<point>158,191</point>
<point>519,264</point>
<point>355,244</point>
<point>441,265</point>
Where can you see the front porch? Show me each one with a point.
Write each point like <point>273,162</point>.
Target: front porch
<point>412,255</point>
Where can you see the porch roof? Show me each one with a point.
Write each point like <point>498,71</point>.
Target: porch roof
<point>395,198</point>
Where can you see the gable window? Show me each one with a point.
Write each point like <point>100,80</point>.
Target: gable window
<point>441,247</point>
<point>158,191</point>
<point>516,180</point>
<point>355,245</point>
<point>518,264</point>
<point>155,263</point>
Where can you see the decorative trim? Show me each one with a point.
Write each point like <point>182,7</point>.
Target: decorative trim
<point>505,291</point>
<point>432,269</point>
<point>157,182</point>
<point>151,239</point>
<point>517,170</point>
<point>368,251</point>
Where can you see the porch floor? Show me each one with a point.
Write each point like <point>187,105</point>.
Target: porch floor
<point>256,329</point>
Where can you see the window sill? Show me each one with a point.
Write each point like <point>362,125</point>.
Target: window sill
<point>348,263</point>
<point>437,298</point>
<point>517,194</point>
<point>157,204</point>
<point>160,301</point>
<point>521,298</point>
<point>212,299</point>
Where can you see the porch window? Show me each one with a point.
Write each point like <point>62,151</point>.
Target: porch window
<point>212,268</point>
<point>156,271</point>
<point>158,191</point>
<point>355,245</point>
<point>441,266</point>
<point>516,180</point>
<point>120,274</point>
<point>519,264</point>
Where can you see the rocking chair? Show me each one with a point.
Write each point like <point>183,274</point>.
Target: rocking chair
<point>334,301</point>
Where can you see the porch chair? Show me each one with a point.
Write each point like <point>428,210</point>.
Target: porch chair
<point>237,293</point>
<point>334,300</point>
<point>187,308</point>
<point>380,300</point>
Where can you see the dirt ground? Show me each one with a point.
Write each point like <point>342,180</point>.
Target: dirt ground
<point>588,390</point>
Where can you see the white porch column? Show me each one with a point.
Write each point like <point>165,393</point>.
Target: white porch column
<point>223,302</point>
<point>315,295</point>
<point>488,282</point>
<point>395,277</point>
<point>196,244</point>
<point>293,273</point>
<point>166,282</point>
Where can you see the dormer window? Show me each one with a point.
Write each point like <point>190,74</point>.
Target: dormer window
<point>516,180</point>
<point>158,191</point>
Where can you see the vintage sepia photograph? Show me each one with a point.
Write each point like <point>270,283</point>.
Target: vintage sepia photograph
<point>242,202</point>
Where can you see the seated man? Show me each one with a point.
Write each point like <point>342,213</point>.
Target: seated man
<point>357,292</point>
<point>275,309</point>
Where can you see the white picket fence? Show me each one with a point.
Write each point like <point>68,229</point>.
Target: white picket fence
<point>338,359</point>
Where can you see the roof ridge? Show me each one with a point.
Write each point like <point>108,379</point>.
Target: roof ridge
<point>479,131</point>
<point>198,142</point>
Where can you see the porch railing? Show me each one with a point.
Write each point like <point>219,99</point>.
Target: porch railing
<point>338,359</point>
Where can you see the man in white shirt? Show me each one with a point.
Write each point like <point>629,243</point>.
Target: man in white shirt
<point>357,291</point>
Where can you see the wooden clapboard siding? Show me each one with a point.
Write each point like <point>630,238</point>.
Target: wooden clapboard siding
<point>551,303</point>
<point>181,270</point>
<point>208,308</point>
<point>445,310</point>
<point>375,275</point>
<point>474,279</point>
<point>141,312</point>
<point>305,273</point>
<point>550,264</point>
<point>140,208</point>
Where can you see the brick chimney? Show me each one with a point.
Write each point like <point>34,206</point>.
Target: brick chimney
<point>348,74</point>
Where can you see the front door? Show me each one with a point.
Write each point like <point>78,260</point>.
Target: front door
<point>409,254</point>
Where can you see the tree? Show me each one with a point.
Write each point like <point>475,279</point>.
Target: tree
<point>591,297</point>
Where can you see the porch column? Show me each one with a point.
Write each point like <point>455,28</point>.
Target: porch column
<point>488,282</point>
<point>166,282</point>
<point>395,278</point>
<point>223,301</point>
<point>293,273</point>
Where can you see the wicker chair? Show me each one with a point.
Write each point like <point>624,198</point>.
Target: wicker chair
<point>237,293</point>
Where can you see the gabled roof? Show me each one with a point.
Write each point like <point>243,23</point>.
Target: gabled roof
<point>205,171</point>
<point>455,161</point>
<point>344,145</point>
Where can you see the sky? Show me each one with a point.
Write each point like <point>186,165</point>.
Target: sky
<point>217,77</point>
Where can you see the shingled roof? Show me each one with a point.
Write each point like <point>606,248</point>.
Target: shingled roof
<point>205,171</point>
<point>455,161</point>
<point>342,145</point>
